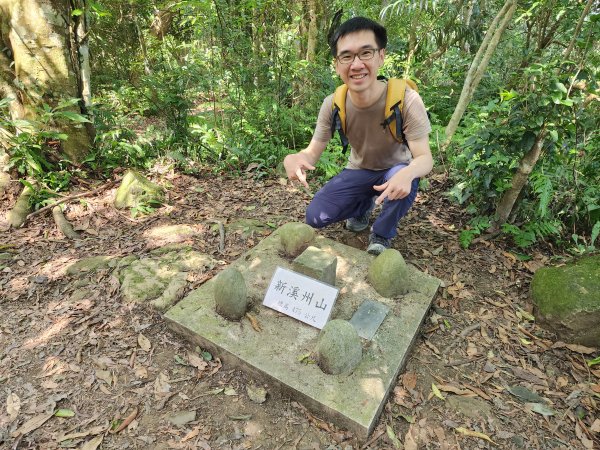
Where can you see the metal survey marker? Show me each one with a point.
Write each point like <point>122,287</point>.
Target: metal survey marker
<point>368,317</point>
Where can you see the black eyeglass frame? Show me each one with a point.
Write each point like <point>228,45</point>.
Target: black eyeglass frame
<point>365,54</point>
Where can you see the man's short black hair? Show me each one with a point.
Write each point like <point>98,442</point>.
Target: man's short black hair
<point>359,24</point>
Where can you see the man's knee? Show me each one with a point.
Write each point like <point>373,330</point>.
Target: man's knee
<point>315,216</point>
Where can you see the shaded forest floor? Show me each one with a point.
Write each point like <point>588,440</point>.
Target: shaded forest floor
<point>482,370</point>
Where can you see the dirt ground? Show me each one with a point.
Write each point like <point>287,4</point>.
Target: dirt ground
<point>482,374</point>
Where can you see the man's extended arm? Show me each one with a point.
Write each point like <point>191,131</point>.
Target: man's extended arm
<point>297,164</point>
<point>399,185</point>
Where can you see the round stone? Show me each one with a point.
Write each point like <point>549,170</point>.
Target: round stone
<point>388,274</point>
<point>338,350</point>
<point>296,237</point>
<point>231,299</point>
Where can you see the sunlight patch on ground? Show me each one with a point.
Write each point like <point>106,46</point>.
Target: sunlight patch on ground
<point>57,268</point>
<point>45,336</point>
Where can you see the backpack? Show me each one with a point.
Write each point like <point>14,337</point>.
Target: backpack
<point>393,104</point>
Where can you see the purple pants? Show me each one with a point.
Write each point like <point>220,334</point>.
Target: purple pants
<point>350,194</point>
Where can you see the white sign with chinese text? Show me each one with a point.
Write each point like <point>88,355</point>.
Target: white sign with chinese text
<point>301,297</point>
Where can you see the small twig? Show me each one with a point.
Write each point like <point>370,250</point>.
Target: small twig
<point>254,322</point>
<point>68,198</point>
<point>126,422</point>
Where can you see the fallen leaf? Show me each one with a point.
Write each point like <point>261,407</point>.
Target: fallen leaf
<point>393,437</point>
<point>93,444</point>
<point>525,394</point>
<point>161,385</point>
<point>455,390</point>
<point>241,417</point>
<point>32,424</point>
<point>256,394</point>
<point>105,376</point>
<point>581,349</point>
<point>540,409</point>
<point>474,434</point>
<point>229,391</point>
<point>437,392</point>
<point>524,315</point>
<point>196,361</point>
<point>410,438</point>
<point>595,426</point>
<point>91,431</point>
<point>64,413</point>
<point>192,434</point>
<point>472,350</point>
<point>141,372</point>
<point>528,376</point>
<point>409,380</point>
<point>144,343</point>
<point>13,406</point>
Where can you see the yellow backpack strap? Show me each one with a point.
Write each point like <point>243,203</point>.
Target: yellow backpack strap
<point>393,106</point>
<point>338,122</point>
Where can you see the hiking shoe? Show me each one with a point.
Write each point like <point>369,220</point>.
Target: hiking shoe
<point>360,223</point>
<point>378,244</point>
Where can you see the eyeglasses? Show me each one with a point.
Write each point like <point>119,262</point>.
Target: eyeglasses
<point>364,55</point>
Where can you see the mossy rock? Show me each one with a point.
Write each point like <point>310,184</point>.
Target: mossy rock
<point>231,294</point>
<point>338,349</point>
<point>296,237</point>
<point>136,190</point>
<point>92,264</point>
<point>567,300</point>
<point>388,274</point>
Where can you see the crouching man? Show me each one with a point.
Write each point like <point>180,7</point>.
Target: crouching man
<point>382,168</point>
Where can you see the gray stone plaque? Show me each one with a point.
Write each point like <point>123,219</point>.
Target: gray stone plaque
<point>368,317</point>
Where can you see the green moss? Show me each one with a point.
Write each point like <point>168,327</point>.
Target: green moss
<point>571,288</point>
<point>135,190</point>
<point>388,274</point>
<point>296,237</point>
<point>90,264</point>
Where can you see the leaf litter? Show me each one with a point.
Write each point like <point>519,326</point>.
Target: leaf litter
<point>109,358</point>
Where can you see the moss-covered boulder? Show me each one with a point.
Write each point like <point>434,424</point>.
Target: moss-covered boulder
<point>388,274</point>
<point>92,264</point>
<point>231,294</point>
<point>136,190</point>
<point>296,237</point>
<point>160,279</point>
<point>338,350</point>
<point>567,300</point>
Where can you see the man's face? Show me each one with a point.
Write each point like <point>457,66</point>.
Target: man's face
<point>359,75</point>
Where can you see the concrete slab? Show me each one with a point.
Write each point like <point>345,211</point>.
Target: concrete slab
<point>276,354</point>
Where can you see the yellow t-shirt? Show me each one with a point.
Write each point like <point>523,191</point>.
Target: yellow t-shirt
<point>374,147</point>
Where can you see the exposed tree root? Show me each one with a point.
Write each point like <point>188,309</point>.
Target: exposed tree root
<point>63,224</point>
<point>71,197</point>
<point>18,214</point>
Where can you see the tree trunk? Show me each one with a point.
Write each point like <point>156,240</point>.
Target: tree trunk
<point>38,52</point>
<point>162,23</point>
<point>519,179</point>
<point>311,42</point>
<point>478,66</point>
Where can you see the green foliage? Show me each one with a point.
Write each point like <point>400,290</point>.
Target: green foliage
<point>477,225</point>
<point>563,185</point>
<point>33,148</point>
